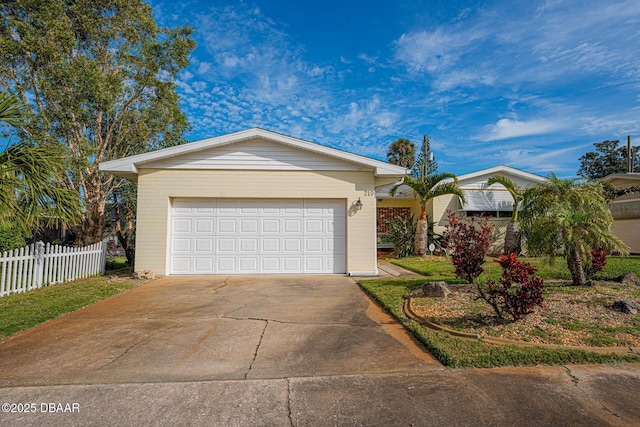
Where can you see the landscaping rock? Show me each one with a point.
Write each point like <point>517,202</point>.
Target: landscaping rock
<point>144,274</point>
<point>434,289</point>
<point>627,306</point>
<point>629,279</point>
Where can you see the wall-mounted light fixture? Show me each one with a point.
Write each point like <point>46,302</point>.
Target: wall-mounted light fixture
<point>359,204</point>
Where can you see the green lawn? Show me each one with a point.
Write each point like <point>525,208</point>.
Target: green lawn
<point>19,312</point>
<point>116,263</point>
<point>442,268</point>
<point>459,353</point>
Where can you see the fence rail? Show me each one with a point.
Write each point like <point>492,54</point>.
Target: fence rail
<point>38,265</point>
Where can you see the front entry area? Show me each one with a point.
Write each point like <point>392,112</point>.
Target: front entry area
<point>252,236</point>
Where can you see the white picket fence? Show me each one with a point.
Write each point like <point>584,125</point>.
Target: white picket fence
<point>39,265</point>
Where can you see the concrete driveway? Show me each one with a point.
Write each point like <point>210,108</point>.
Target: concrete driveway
<point>215,328</point>
<point>276,351</point>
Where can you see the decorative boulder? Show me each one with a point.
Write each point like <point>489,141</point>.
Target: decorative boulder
<point>144,274</point>
<point>627,306</point>
<point>434,289</point>
<point>629,279</point>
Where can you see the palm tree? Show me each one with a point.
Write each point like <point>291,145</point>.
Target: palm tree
<point>29,195</point>
<point>512,236</point>
<point>426,188</point>
<point>569,218</point>
<point>402,152</point>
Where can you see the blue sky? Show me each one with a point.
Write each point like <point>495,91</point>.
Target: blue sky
<point>528,84</point>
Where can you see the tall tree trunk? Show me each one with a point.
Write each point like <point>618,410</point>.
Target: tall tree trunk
<point>125,237</point>
<point>422,233</point>
<point>512,238</point>
<point>422,237</point>
<point>91,230</point>
<point>576,267</point>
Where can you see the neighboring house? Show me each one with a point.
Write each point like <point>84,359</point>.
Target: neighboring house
<point>255,202</point>
<point>494,201</point>
<point>626,209</point>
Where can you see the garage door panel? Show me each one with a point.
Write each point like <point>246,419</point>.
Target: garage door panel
<point>314,245</point>
<point>203,265</point>
<point>314,264</point>
<point>336,245</point>
<point>225,264</point>
<point>226,226</point>
<point>248,226</point>
<point>249,264</point>
<point>270,264</point>
<point>291,245</point>
<point>226,245</point>
<point>181,244</point>
<point>336,264</point>
<point>270,244</point>
<point>314,226</point>
<point>204,226</point>
<point>182,226</point>
<point>335,227</point>
<point>227,236</point>
<point>292,264</point>
<point>270,226</point>
<point>292,226</point>
<point>204,245</point>
<point>181,265</point>
<point>249,245</point>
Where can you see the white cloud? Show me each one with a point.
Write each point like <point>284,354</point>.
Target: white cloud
<point>509,128</point>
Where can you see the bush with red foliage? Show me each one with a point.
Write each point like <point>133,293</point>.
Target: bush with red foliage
<point>598,261</point>
<point>516,293</point>
<point>468,241</point>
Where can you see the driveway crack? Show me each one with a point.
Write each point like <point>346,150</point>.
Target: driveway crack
<point>255,355</point>
<point>124,353</point>
<point>576,382</point>
<point>289,414</point>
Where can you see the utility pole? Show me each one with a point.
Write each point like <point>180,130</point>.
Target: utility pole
<point>629,155</point>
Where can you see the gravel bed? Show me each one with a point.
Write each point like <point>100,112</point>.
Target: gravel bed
<point>580,316</point>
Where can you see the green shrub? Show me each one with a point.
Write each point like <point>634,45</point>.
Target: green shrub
<point>402,232</point>
<point>11,238</point>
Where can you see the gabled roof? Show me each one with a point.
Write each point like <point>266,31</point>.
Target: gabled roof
<point>405,192</point>
<point>127,167</point>
<point>499,170</point>
<point>622,179</point>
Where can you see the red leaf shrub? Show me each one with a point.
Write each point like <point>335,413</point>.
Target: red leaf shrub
<point>516,293</point>
<point>469,241</point>
<point>598,261</point>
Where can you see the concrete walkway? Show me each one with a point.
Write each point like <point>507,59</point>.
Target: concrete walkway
<point>276,350</point>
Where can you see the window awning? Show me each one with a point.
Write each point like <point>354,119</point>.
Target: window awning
<point>488,201</point>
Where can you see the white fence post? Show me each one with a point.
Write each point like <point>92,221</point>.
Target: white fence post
<point>39,265</point>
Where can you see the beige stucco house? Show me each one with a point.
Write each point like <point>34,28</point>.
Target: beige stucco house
<point>255,202</point>
<point>494,201</point>
<point>626,209</point>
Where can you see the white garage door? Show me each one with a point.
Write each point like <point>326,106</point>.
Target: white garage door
<point>236,236</point>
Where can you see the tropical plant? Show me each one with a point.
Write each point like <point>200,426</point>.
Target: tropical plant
<point>517,292</point>
<point>402,231</point>
<point>468,242</point>
<point>567,217</point>
<point>426,188</point>
<point>97,79</point>
<point>11,111</point>
<point>30,197</point>
<point>402,152</point>
<point>512,236</point>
